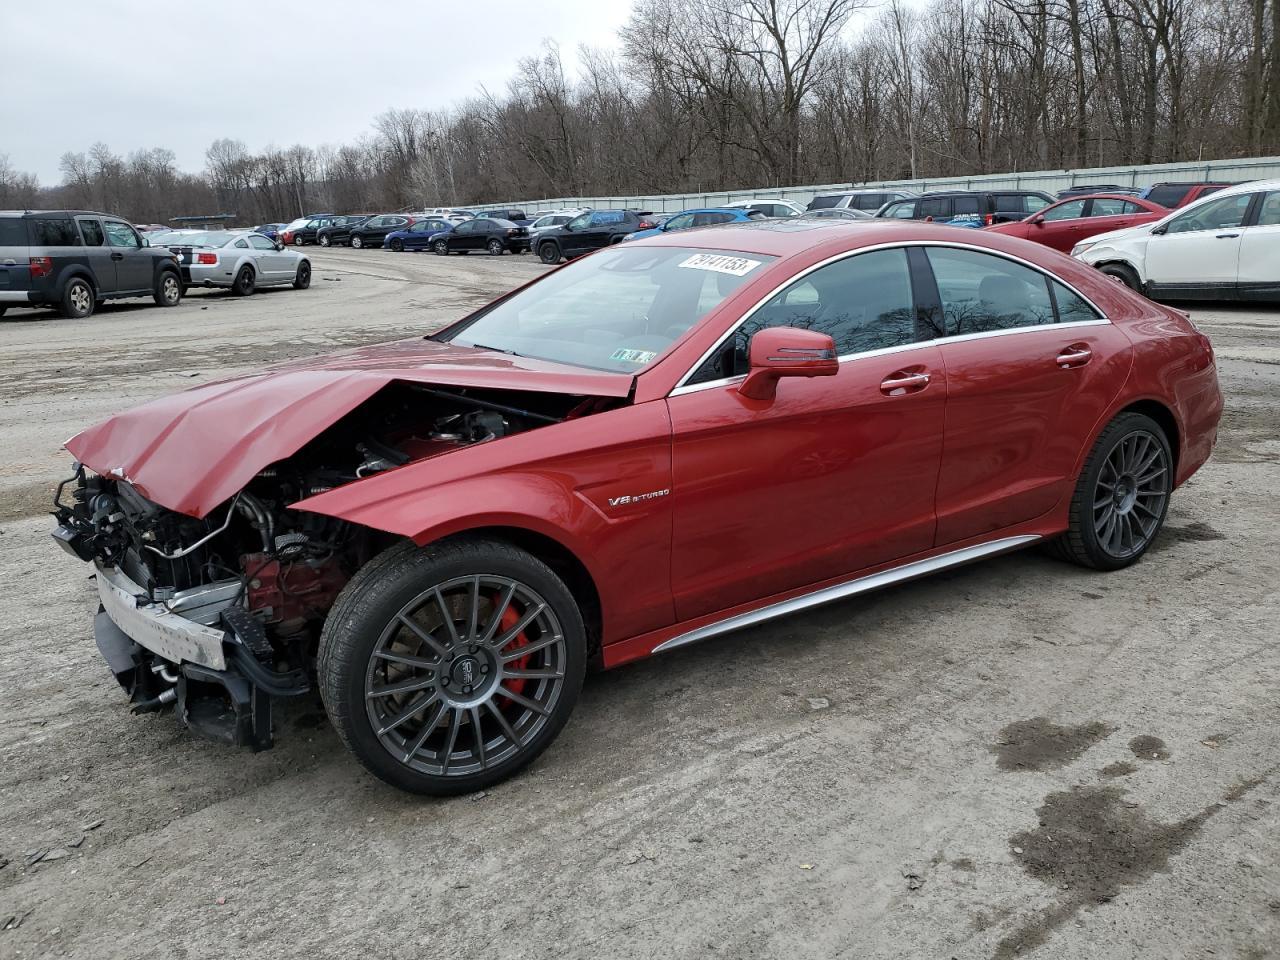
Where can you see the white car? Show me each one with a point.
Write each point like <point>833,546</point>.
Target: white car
<point>769,206</point>
<point>1225,246</point>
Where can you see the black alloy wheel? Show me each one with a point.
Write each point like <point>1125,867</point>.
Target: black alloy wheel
<point>302,279</point>
<point>397,245</point>
<point>441,248</point>
<point>495,247</point>
<point>244,283</point>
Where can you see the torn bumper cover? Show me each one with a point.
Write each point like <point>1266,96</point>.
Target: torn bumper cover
<point>198,651</point>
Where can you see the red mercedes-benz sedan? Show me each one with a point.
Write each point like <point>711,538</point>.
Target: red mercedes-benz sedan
<point>656,444</point>
<point>1067,222</point>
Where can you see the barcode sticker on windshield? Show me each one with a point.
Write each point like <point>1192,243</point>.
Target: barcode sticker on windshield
<point>719,263</point>
<point>633,356</point>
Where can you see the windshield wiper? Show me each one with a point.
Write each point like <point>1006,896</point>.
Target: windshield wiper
<point>483,346</point>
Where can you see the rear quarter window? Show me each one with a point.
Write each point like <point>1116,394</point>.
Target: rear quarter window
<point>13,232</point>
<point>822,203</point>
<point>1167,196</point>
<point>54,232</point>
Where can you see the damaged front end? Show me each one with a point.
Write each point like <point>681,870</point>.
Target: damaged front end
<point>220,615</point>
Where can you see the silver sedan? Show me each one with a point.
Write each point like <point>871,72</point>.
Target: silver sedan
<point>239,260</point>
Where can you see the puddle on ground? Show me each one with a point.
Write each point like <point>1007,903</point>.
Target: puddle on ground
<point>1121,768</point>
<point>1150,748</point>
<point>1090,845</point>
<point>1039,744</point>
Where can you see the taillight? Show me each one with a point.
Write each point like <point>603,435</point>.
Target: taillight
<point>41,267</point>
<point>206,258</point>
<point>511,232</point>
<point>989,219</point>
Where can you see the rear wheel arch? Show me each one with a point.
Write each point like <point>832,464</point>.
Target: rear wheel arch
<point>1163,416</point>
<point>82,272</point>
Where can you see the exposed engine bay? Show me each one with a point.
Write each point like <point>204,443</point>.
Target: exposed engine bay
<point>263,573</point>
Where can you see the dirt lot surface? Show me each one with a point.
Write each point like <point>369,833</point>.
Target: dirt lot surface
<point>1016,758</point>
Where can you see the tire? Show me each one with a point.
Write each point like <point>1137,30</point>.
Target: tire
<point>324,241</point>
<point>245,282</point>
<point>1124,274</point>
<point>549,253</point>
<point>441,248</point>
<point>78,299</point>
<point>302,279</point>
<point>3,308</point>
<point>357,241</point>
<point>1121,497</point>
<point>169,289</point>
<point>297,240</point>
<point>397,246</point>
<point>469,687</point>
<point>494,247</point>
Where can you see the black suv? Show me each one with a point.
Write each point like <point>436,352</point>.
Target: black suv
<point>76,259</point>
<point>307,233</point>
<point>586,232</point>
<point>969,208</point>
<point>339,231</point>
<point>373,231</point>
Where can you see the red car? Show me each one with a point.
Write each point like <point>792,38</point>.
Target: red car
<point>659,443</point>
<point>1067,222</point>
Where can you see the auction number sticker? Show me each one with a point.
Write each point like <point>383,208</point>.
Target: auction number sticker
<point>633,356</point>
<point>719,263</point>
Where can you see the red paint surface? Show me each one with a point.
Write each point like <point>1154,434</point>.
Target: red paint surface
<point>1065,234</point>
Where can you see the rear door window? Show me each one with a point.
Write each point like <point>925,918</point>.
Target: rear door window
<point>91,232</point>
<point>13,232</point>
<point>1106,207</point>
<point>1009,203</point>
<point>54,232</point>
<point>982,293</point>
<point>903,210</point>
<point>937,207</point>
<point>964,208</point>
<point>869,201</point>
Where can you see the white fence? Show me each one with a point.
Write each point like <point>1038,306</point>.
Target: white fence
<point>1050,181</point>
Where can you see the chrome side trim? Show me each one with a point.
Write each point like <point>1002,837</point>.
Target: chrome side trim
<point>865,584</point>
<point>683,386</point>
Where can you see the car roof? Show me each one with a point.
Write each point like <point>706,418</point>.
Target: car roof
<point>68,213</point>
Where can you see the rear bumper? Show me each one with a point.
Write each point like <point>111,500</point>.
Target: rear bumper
<point>10,297</point>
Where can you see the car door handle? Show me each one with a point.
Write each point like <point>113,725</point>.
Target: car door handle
<point>1226,236</point>
<point>903,382</point>
<point>1076,355</point>
<point>117,255</point>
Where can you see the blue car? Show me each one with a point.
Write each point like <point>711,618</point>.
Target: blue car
<point>269,230</point>
<point>418,236</point>
<point>698,218</point>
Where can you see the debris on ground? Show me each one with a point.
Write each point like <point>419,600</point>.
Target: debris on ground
<point>818,703</point>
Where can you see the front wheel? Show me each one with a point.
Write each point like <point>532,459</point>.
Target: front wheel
<point>1124,274</point>
<point>1121,497</point>
<point>302,279</point>
<point>441,248</point>
<point>397,246</point>
<point>357,241</point>
<point>297,239</point>
<point>448,668</point>
<point>324,241</point>
<point>549,253</point>
<point>168,291</point>
<point>495,247</point>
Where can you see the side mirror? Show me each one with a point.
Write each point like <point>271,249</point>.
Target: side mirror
<point>777,352</point>
<point>279,246</point>
<point>146,242</point>
<point>1037,220</point>
<point>1160,230</point>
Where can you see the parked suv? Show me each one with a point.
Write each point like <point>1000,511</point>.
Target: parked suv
<point>513,214</point>
<point>76,259</point>
<point>1174,195</point>
<point>339,233</point>
<point>969,208</point>
<point>868,200</point>
<point>307,232</point>
<point>586,232</point>
<point>373,231</point>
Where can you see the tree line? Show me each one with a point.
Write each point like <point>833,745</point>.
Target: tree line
<point>729,94</point>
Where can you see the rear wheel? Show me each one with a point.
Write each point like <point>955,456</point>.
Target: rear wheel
<point>1122,273</point>
<point>168,291</point>
<point>324,240</point>
<point>495,247</point>
<point>357,241</point>
<point>297,239</point>
<point>441,248</point>
<point>549,253</point>
<point>77,299</point>
<point>397,245</point>
<point>244,283</point>
<point>1121,497</point>
<point>448,668</point>
<point>302,279</point>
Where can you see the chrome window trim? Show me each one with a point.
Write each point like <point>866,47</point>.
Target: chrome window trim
<point>683,386</point>
<point>840,591</point>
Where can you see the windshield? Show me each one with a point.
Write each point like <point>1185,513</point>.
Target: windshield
<point>618,310</point>
<point>205,239</point>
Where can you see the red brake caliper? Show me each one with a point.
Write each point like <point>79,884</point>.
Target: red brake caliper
<point>509,619</point>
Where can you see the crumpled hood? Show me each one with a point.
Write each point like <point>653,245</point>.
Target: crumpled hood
<point>192,450</point>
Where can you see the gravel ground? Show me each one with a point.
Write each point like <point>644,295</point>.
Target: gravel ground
<point>1015,758</point>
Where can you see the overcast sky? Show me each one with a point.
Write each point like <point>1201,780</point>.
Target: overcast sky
<point>139,74</point>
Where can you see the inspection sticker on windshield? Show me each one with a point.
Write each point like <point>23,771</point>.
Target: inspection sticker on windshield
<point>718,262</point>
<point>633,356</point>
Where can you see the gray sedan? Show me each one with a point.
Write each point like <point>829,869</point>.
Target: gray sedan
<point>239,260</point>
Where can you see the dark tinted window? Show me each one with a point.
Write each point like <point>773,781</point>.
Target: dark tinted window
<point>13,232</point>
<point>1168,196</point>
<point>821,203</point>
<point>1071,306</point>
<point>706,219</point>
<point>1010,203</point>
<point>91,232</point>
<point>1106,207</point>
<point>54,232</point>
<point>869,201</point>
<point>863,302</point>
<point>981,293</point>
<point>964,206</point>
<point>936,207</point>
